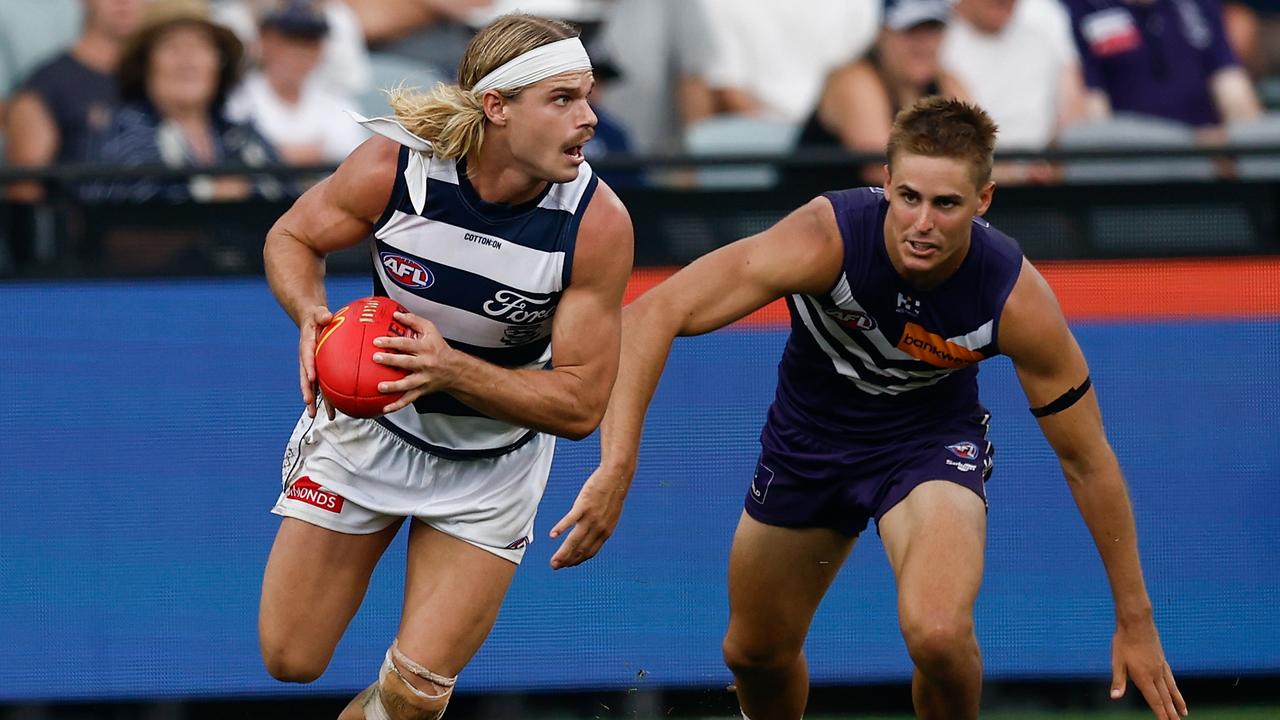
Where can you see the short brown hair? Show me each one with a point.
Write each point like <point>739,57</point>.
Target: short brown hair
<point>945,127</point>
<point>451,116</point>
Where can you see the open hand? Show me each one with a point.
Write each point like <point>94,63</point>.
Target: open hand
<point>1136,654</point>
<point>593,517</point>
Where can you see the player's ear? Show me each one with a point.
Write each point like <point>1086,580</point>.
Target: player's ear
<point>985,194</point>
<point>495,107</point>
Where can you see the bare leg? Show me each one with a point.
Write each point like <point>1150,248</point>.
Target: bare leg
<point>777,577</point>
<point>313,585</point>
<point>452,593</point>
<point>934,539</point>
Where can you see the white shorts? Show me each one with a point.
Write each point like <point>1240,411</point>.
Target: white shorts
<point>354,476</point>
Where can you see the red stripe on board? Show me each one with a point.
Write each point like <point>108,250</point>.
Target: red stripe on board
<point>1166,289</point>
<point>1113,289</point>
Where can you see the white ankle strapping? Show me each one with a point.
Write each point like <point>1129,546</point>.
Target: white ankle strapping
<point>389,666</point>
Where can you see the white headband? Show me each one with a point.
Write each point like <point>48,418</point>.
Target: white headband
<point>538,64</point>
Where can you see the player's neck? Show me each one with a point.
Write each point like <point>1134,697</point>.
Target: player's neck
<point>497,178</point>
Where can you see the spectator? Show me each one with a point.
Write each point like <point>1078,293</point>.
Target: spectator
<point>302,120</point>
<point>1165,58</point>
<point>659,47</point>
<point>861,99</point>
<point>54,113</point>
<point>770,56</point>
<point>1253,29</point>
<point>344,64</point>
<point>434,32</point>
<point>31,32</point>
<point>1017,59</point>
<point>175,75</point>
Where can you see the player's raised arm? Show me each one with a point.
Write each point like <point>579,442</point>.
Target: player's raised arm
<point>801,253</point>
<point>337,213</point>
<point>1055,377</point>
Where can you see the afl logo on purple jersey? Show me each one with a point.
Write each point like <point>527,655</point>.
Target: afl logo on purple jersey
<point>964,450</point>
<point>406,271</point>
<point>852,318</point>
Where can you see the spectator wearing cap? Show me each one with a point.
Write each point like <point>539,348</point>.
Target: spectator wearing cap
<point>175,75</point>
<point>1163,58</point>
<point>70,97</point>
<point>860,99</point>
<point>282,98</point>
<point>345,67</point>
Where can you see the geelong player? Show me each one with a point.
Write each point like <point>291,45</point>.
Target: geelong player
<point>895,295</point>
<point>512,257</point>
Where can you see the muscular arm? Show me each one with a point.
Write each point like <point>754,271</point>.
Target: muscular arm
<point>1034,334</point>
<point>802,253</point>
<point>336,213</point>
<point>570,398</point>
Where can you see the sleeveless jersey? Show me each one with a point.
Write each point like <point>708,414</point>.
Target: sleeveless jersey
<point>878,359</point>
<point>489,276</point>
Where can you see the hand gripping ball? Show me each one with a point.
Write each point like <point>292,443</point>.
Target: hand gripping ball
<point>345,369</point>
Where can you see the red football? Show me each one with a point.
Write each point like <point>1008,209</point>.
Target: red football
<point>345,368</point>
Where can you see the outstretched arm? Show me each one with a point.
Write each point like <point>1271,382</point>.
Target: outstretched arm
<point>338,212</point>
<point>800,254</point>
<point>1052,369</point>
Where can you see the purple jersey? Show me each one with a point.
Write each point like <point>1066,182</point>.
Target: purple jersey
<point>876,360</point>
<point>1154,58</point>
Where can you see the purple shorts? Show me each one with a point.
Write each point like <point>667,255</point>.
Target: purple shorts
<point>802,482</point>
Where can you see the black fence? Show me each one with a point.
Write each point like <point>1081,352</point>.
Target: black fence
<point>1136,203</point>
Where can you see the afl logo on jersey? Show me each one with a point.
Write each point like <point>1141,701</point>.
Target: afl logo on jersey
<point>964,450</point>
<point>852,318</point>
<point>406,271</point>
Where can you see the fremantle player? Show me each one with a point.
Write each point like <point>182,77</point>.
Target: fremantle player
<point>512,257</point>
<point>895,295</point>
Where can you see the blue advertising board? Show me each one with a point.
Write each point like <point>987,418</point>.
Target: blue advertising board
<point>140,447</point>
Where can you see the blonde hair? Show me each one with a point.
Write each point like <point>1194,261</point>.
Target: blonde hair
<point>451,116</point>
<point>945,127</point>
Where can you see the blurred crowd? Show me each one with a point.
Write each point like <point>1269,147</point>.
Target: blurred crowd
<point>193,83</point>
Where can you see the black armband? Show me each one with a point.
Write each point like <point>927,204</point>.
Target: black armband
<point>1064,401</point>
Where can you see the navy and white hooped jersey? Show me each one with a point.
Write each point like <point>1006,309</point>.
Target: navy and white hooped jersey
<point>877,358</point>
<point>489,276</point>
